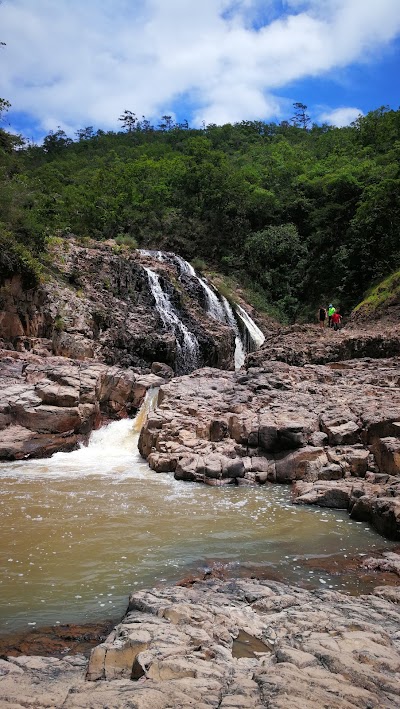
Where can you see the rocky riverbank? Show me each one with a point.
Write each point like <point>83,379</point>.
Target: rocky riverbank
<point>243,643</point>
<point>333,430</point>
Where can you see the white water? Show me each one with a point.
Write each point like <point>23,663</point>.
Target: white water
<point>157,255</point>
<point>187,346</point>
<point>217,307</point>
<point>255,333</point>
<point>240,353</point>
<point>214,306</point>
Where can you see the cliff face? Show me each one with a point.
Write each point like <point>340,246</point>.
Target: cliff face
<point>100,304</point>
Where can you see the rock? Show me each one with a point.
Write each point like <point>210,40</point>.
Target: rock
<point>176,646</point>
<point>278,414</point>
<point>102,308</point>
<point>387,455</point>
<point>52,404</point>
<point>389,562</point>
<point>325,494</point>
<point>162,370</point>
<point>303,464</point>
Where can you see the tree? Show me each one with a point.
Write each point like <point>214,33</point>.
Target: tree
<point>300,118</point>
<point>56,141</point>
<point>167,123</point>
<point>4,106</point>
<point>85,133</point>
<point>128,120</point>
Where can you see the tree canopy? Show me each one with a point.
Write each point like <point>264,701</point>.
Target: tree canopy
<point>303,213</point>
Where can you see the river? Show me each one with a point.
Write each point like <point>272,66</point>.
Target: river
<point>81,530</point>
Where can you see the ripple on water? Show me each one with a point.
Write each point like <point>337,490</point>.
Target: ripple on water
<point>81,530</point>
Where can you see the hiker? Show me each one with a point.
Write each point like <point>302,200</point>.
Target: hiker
<point>331,311</point>
<point>322,317</point>
<point>336,320</point>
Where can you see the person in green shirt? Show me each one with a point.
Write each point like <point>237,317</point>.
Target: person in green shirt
<point>331,311</point>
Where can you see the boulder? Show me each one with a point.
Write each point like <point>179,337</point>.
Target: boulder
<point>387,455</point>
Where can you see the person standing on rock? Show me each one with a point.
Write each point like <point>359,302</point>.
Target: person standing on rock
<point>322,317</point>
<point>331,311</point>
<point>336,320</point>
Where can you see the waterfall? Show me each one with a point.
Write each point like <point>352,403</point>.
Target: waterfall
<point>187,346</point>
<point>240,352</point>
<point>157,255</point>
<point>220,309</point>
<point>254,332</point>
<point>248,336</point>
<point>214,307</point>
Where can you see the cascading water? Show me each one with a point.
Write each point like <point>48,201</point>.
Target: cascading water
<point>187,346</point>
<point>252,331</point>
<point>157,255</point>
<point>240,353</point>
<point>248,337</point>
<point>219,308</point>
<point>214,306</point>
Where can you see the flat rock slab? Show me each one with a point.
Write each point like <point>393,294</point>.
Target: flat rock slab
<point>177,647</point>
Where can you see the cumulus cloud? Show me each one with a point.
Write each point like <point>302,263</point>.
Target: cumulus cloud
<point>340,116</point>
<point>82,63</point>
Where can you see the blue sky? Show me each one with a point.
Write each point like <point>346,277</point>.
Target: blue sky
<point>75,63</point>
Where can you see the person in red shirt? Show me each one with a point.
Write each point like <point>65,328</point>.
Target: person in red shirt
<point>336,320</point>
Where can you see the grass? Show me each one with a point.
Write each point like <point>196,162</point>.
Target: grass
<point>230,288</point>
<point>380,294</point>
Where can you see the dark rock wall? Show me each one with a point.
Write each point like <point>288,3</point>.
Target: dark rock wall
<point>99,305</point>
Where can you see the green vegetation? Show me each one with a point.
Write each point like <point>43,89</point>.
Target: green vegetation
<point>381,294</point>
<point>297,214</point>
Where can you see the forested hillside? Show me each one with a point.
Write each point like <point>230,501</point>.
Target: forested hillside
<point>298,214</point>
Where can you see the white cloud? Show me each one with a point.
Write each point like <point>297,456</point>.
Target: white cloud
<point>340,116</point>
<point>77,63</point>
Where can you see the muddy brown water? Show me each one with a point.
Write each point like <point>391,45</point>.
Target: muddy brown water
<point>82,530</point>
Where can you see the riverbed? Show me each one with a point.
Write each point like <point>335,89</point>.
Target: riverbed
<point>81,530</point>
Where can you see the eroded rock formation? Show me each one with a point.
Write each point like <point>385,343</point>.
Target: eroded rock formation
<point>242,643</point>
<point>99,304</point>
<point>333,429</point>
<point>51,404</point>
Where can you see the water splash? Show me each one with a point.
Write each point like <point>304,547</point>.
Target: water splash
<point>110,450</point>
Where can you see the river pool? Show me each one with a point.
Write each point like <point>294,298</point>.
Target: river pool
<point>81,530</point>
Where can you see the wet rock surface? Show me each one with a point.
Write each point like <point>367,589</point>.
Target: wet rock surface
<point>332,431</point>
<point>243,643</point>
<point>56,640</point>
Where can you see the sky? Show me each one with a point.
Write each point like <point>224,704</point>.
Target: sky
<point>78,63</point>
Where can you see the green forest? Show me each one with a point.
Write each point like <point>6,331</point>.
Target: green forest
<point>298,214</point>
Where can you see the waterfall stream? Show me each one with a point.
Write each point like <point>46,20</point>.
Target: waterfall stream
<point>253,332</point>
<point>219,308</point>
<point>248,336</point>
<point>187,346</point>
<point>240,352</point>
